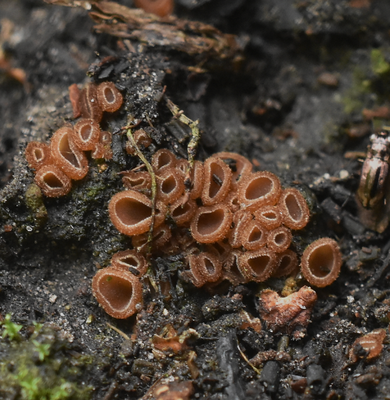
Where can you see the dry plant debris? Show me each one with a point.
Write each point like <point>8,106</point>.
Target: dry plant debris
<point>289,314</point>
<point>191,37</point>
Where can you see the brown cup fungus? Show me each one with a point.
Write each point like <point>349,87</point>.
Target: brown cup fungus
<point>130,260</point>
<point>131,212</point>
<point>204,267</point>
<point>74,97</point>
<point>37,154</point>
<point>231,270</point>
<point>67,156</point>
<point>257,265</point>
<point>88,103</point>
<point>211,224</point>
<point>162,159</point>
<point>239,165</point>
<point>85,134</point>
<point>109,97</point>
<point>286,263</point>
<point>197,180</point>
<point>259,189</point>
<point>253,235</point>
<point>183,210</point>
<point>170,185</point>
<point>161,236</point>
<point>102,148</point>
<point>229,222</point>
<point>269,216</point>
<point>217,180</point>
<point>321,262</point>
<point>141,138</point>
<point>141,181</point>
<point>119,292</point>
<point>241,219</point>
<point>52,181</point>
<point>279,239</point>
<point>294,209</point>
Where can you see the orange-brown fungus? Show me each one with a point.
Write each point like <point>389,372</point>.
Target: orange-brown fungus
<point>245,229</point>
<point>240,220</point>
<point>231,271</point>
<point>204,267</point>
<point>229,223</point>
<point>211,224</point>
<point>85,134</point>
<point>170,185</point>
<point>183,210</point>
<point>197,180</point>
<point>109,97</point>
<point>140,181</point>
<point>103,146</point>
<point>163,159</point>
<point>37,155</point>
<point>161,236</point>
<point>321,262</point>
<point>279,239</point>
<point>88,103</point>
<point>217,180</point>
<point>74,97</point>
<point>269,216</point>
<point>131,212</point>
<point>118,291</point>
<point>130,260</point>
<point>52,181</point>
<point>142,140</point>
<point>259,189</point>
<point>294,209</point>
<point>257,265</point>
<point>239,165</point>
<point>254,235</point>
<point>67,156</point>
<point>287,263</point>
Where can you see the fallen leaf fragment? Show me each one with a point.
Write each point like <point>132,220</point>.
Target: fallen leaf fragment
<point>368,346</point>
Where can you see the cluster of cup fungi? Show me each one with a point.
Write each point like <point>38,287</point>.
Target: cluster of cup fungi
<point>228,222</point>
<point>64,159</point>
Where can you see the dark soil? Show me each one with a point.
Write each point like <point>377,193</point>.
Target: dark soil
<point>271,101</point>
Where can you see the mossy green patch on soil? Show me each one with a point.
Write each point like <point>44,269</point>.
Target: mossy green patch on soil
<point>40,367</point>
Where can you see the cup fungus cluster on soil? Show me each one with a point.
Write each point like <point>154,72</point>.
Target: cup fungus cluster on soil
<point>204,313</point>
<point>227,221</point>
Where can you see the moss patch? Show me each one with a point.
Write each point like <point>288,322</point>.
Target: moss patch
<point>40,367</point>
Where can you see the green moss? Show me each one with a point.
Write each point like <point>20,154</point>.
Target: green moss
<point>41,367</point>
<point>10,329</point>
<point>34,202</point>
<point>379,64</point>
<point>353,99</point>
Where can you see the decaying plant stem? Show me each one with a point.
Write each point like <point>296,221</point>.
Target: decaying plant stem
<point>194,141</point>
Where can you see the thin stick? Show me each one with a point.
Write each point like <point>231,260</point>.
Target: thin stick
<point>194,141</point>
<point>123,334</point>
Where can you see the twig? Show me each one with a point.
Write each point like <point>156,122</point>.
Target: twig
<point>258,371</point>
<point>118,331</point>
<point>194,141</point>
